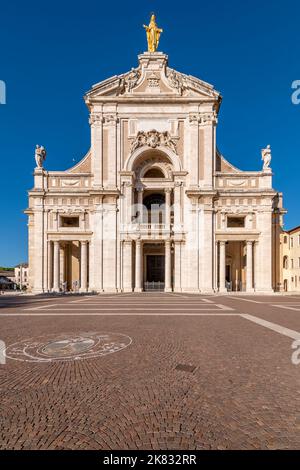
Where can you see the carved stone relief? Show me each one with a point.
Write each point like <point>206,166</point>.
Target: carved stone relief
<point>130,81</point>
<point>153,139</point>
<point>176,80</point>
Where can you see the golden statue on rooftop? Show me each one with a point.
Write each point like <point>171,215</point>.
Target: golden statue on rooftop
<point>153,34</point>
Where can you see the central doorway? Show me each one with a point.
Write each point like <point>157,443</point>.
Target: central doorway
<point>155,271</point>
<point>154,266</point>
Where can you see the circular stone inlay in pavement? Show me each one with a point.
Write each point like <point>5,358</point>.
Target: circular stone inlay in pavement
<point>67,347</point>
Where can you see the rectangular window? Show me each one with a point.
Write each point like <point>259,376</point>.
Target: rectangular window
<point>235,222</point>
<point>67,221</point>
<point>292,242</point>
<point>298,240</point>
<point>292,263</point>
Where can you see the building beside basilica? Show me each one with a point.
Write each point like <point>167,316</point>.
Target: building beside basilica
<point>153,204</point>
<point>290,259</point>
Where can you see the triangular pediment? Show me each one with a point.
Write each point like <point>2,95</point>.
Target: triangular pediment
<point>153,77</point>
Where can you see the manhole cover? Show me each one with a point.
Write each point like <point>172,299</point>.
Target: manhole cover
<point>67,347</point>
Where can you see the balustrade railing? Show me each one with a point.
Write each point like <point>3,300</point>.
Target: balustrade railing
<point>154,286</point>
<point>149,228</point>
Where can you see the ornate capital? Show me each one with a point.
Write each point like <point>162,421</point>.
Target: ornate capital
<point>203,119</point>
<point>194,118</point>
<point>95,118</point>
<point>110,119</point>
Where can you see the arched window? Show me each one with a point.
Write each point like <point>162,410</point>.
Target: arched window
<point>154,173</point>
<point>155,207</point>
<point>285,262</point>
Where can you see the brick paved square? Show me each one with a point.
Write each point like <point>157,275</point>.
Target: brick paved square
<point>149,371</point>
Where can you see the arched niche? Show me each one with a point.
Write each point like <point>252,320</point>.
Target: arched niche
<point>153,172</point>
<point>160,156</point>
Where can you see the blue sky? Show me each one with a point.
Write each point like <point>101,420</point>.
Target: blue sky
<point>52,52</point>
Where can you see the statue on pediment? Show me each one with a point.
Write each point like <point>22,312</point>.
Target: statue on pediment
<point>175,80</point>
<point>132,79</point>
<point>40,155</point>
<point>266,157</point>
<point>153,34</point>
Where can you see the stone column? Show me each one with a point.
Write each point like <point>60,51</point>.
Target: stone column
<point>50,265</point>
<point>168,208</point>
<point>263,252</point>
<point>96,122</point>
<point>140,205</point>
<point>168,286</point>
<point>138,266</point>
<point>177,206</point>
<point>127,266</point>
<point>249,267</point>
<point>205,229</point>
<point>96,248</point>
<point>39,248</point>
<point>128,193</point>
<point>110,121</point>
<point>222,266</point>
<point>193,133</point>
<point>62,265</point>
<point>177,266</point>
<point>83,266</point>
<point>56,267</point>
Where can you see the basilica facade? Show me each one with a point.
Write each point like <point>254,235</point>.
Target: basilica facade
<point>153,205</point>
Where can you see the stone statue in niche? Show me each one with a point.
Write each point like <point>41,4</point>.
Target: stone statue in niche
<point>266,157</point>
<point>40,156</point>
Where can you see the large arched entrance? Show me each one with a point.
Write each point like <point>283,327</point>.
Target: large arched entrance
<point>150,186</point>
